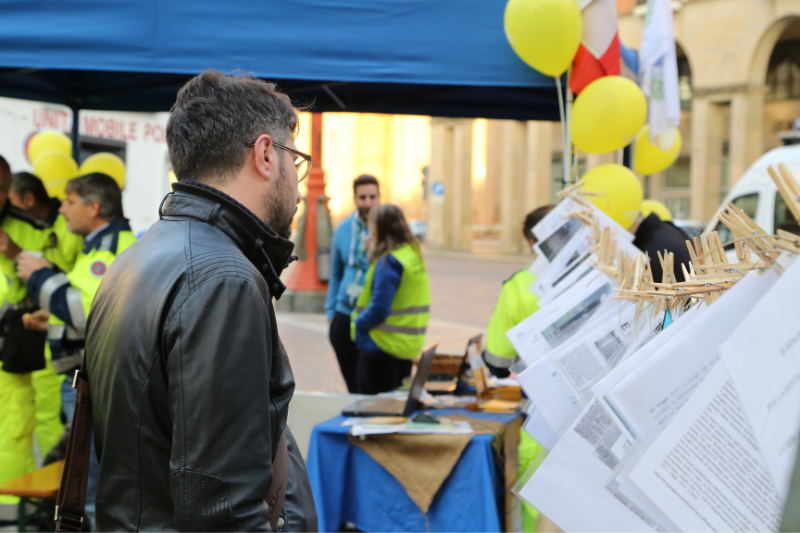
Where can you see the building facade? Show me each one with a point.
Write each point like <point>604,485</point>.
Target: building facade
<point>739,68</point>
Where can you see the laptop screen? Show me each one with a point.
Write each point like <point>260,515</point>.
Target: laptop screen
<point>476,364</point>
<point>423,369</point>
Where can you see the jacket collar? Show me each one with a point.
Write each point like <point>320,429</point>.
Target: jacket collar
<point>355,216</point>
<point>52,215</point>
<point>650,223</point>
<point>105,238</point>
<point>265,248</point>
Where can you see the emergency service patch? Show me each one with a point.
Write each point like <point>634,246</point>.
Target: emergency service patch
<point>98,269</point>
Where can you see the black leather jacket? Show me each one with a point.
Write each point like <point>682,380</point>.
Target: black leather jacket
<point>190,381</point>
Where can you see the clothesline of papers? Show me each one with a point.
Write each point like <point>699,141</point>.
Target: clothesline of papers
<point>663,406</point>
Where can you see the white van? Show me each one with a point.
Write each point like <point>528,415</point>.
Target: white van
<point>757,195</point>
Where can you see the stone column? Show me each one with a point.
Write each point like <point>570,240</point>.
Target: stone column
<point>513,175</point>
<point>450,214</point>
<point>538,162</point>
<point>707,137</point>
<point>747,130</point>
<point>656,187</point>
<point>595,160</point>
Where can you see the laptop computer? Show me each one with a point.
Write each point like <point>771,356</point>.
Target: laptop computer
<point>450,385</point>
<point>394,407</point>
<point>475,361</point>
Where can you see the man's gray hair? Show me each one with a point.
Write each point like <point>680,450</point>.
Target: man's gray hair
<point>100,188</point>
<point>215,116</point>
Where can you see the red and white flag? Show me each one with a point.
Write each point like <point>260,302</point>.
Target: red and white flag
<point>598,54</point>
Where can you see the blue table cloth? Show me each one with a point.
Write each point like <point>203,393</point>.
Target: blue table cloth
<point>349,486</point>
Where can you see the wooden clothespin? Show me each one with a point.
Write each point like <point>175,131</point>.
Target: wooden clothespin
<point>788,187</point>
<point>788,241</point>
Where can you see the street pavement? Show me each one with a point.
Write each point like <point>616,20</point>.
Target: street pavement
<point>464,290</point>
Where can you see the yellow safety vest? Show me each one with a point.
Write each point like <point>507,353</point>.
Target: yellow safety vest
<point>66,342</point>
<point>63,246</point>
<point>28,232</point>
<point>403,333</point>
<point>516,303</point>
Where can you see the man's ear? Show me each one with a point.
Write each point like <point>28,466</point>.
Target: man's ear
<point>264,157</point>
<point>95,208</point>
<point>28,200</point>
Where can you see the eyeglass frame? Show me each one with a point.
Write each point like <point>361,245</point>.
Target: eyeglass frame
<point>297,153</point>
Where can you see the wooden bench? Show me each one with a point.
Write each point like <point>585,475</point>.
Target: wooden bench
<point>42,484</point>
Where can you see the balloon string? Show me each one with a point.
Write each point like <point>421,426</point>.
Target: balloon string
<point>564,140</point>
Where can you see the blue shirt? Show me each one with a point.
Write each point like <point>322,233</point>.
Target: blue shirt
<point>385,282</point>
<point>349,265</point>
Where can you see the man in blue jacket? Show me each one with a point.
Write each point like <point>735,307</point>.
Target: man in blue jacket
<point>348,269</point>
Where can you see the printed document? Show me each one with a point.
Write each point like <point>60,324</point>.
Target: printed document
<point>653,392</point>
<point>570,485</point>
<point>763,359</point>
<point>705,470</point>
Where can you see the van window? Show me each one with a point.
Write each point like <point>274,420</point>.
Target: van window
<point>747,203</point>
<point>783,217</point>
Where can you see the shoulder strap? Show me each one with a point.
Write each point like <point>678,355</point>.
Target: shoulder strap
<point>71,499</point>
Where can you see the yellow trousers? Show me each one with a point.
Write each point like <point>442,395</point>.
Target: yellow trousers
<point>17,422</point>
<point>47,387</point>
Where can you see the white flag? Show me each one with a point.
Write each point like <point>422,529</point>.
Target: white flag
<point>658,70</point>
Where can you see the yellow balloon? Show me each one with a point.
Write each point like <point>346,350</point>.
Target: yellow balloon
<point>607,115</point>
<point>616,191</point>
<point>654,206</point>
<point>55,169</point>
<point>107,163</point>
<point>545,34</point>
<point>649,158</point>
<point>48,140</point>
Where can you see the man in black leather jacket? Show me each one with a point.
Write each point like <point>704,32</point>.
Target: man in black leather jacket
<point>190,381</point>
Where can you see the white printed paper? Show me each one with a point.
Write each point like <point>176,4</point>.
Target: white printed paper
<point>570,485</point>
<point>634,360</point>
<point>763,359</point>
<point>547,329</point>
<point>705,470</point>
<point>653,392</point>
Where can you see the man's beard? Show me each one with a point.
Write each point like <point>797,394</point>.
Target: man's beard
<point>363,213</point>
<point>281,206</point>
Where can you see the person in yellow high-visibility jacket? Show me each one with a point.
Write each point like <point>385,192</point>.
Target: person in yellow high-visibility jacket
<point>516,303</point>
<point>391,314</point>
<point>93,209</point>
<point>29,194</point>
<point>18,231</point>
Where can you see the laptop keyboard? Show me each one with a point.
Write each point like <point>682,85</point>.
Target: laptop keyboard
<point>386,405</point>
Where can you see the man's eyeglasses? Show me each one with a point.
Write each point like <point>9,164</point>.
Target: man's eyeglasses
<point>302,162</point>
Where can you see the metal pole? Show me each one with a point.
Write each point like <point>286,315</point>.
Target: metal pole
<point>568,137</point>
<point>564,136</point>
<point>76,138</point>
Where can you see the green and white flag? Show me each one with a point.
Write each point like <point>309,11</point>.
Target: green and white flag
<point>658,70</point>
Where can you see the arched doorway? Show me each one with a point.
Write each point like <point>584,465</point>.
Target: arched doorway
<point>782,80</point>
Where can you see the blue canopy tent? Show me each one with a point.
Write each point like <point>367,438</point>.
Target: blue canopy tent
<point>442,58</point>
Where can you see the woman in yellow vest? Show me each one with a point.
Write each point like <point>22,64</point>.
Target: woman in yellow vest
<point>391,314</point>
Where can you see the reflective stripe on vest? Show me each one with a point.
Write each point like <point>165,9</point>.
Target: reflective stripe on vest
<point>499,362</point>
<point>400,312</point>
<point>65,364</point>
<point>49,287</point>
<point>401,329</point>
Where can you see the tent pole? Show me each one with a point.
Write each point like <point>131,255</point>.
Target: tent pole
<point>568,136</point>
<point>564,136</point>
<point>76,138</point>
